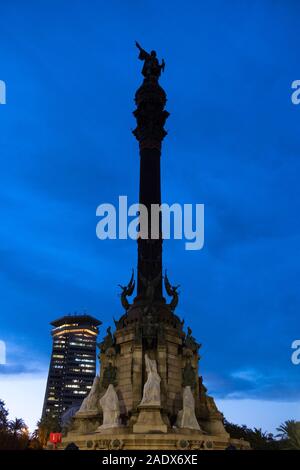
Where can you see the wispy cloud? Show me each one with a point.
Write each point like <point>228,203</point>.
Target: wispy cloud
<point>249,375</point>
<point>265,414</point>
<point>273,385</point>
<point>23,360</point>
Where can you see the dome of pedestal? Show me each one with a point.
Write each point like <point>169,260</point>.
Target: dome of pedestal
<point>159,312</point>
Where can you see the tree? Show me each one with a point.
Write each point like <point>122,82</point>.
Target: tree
<point>3,416</point>
<point>262,440</point>
<point>18,427</point>
<point>13,434</point>
<point>289,432</point>
<point>45,426</point>
<point>257,439</point>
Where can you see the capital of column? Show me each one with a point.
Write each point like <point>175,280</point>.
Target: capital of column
<point>150,115</point>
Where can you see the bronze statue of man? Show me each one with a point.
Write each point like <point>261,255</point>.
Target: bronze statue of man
<point>151,67</point>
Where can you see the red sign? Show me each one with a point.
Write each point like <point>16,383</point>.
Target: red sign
<point>55,437</point>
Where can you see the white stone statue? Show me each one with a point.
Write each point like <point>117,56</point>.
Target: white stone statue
<point>90,403</point>
<point>186,418</point>
<point>111,409</point>
<point>151,394</point>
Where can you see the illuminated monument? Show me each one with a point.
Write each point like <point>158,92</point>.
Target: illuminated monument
<point>149,394</point>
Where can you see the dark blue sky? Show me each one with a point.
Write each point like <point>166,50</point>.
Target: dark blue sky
<point>71,71</point>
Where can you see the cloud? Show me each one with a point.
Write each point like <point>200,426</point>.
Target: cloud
<point>265,414</point>
<point>276,385</point>
<point>22,360</point>
<point>248,375</point>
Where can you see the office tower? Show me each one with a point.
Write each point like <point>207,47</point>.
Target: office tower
<point>73,363</point>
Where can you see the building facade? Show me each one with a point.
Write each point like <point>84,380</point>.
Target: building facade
<point>73,363</point>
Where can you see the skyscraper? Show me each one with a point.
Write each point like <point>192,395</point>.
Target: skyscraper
<point>73,363</point>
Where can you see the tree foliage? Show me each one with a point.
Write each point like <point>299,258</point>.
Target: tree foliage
<point>289,432</point>
<point>45,426</point>
<point>14,434</point>
<point>257,439</point>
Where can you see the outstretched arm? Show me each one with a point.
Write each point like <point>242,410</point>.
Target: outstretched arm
<point>138,46</point>
<point>143,54</point>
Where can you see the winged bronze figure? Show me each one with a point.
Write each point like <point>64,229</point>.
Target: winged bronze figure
<point>172,292</point>
<point>127,291</point>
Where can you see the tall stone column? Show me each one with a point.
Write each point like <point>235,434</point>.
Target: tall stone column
<point>150,115</point>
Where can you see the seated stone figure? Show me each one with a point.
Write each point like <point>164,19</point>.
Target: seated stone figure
<point>151,394</point>
<point>186,417</point>
<point>111,409</point>
<point>211,418</point>
<point>90,403</point>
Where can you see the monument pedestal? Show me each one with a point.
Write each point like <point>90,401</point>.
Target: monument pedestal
<point>110,428</point>
<point>214,427</point>
<point>85,422</point>
<point>150,420</point>
<point>180,440</point>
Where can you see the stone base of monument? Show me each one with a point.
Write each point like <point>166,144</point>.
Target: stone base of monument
<point>85,422</point>
<point>113,428</point>
<point>214,426</point>
<point>149,420</point>
<point>119,439</point>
